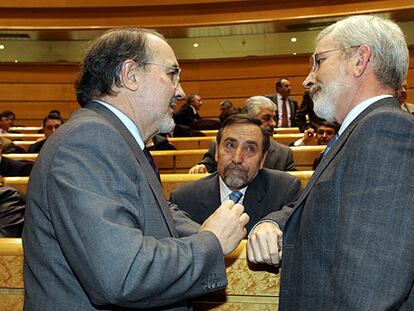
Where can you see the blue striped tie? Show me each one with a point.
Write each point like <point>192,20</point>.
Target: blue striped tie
<point>235,196</point>
<point>329,146</point>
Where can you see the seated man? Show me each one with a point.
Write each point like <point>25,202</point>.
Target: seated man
<point>50,124</point>
<point>241,153</point>
<point>279,157</point>
<point>324,134</point>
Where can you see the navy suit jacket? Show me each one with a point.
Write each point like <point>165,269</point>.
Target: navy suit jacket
<point>269,191</point>
<point>348,245</point>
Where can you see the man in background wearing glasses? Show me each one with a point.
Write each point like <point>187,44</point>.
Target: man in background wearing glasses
<point>348,244</point>
<point>99,233</point>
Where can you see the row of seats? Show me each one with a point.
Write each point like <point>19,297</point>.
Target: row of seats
<point>169,181</point>
<point>180,161</point>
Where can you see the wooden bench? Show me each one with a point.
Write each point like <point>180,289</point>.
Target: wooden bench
<point>279,130</point>
<point>16,136</point>
<point>169,181</point>
<point>180,161</point>
<point>185,143</point>
<point>24,143</point>
<point>250,287</point>
<point>26,129</point>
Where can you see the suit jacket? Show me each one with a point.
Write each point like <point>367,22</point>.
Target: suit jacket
<point>279,157</point>
<point>186,116</point>
<point>269,191</point>
<point>99,233</point>
<point>305,117</point>
<point>11,212</point>
<point>10,167</point>
<point>348,245</point>
<point>35,148</point>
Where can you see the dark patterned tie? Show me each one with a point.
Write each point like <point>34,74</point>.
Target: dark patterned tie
<point>285,121</point>
<point>152,162</point>
<point>235,196</point>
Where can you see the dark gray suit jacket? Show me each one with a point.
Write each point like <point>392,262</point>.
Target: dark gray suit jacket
<point>349,243</point>
<point>279,157</point>
<point>269,191</point>
<point>99,233</point>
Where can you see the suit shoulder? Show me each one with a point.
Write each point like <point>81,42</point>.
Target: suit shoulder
<point>277,175</point>
<point>280,147</point>
<point>194,186</point>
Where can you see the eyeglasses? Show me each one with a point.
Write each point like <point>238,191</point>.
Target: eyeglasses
<point>175,72</point>
<point>315,59</point>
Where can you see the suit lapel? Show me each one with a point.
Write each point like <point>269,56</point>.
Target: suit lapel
<point>336,148</point>
<point>140,157</point>
<point>210,194</point>
<point>254,196</point>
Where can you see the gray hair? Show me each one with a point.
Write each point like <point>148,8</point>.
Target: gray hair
<point>390,58</point>
<point>255,104</point>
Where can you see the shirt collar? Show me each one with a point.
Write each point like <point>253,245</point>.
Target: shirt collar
<point>358,109</point>
<point>225,191</point>
<point>132,128</point>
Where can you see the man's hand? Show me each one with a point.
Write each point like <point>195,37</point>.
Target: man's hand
<point>198,169</point>
<point>264,244</point>
<point>308,136</point>
<point>228,224</point>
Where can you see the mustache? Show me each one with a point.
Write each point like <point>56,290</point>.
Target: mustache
<point>235,166</point>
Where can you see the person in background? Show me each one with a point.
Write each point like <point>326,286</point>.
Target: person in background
<point>6,121</point>
<point>353,225</point>
<point>225,109</point>
<point>279,157</point>
<point>401,95</point>
<point>99,233</point>
<point>305,116</point>
<point>286,107</point>
<point>240,155</point>
<point>50,124</point>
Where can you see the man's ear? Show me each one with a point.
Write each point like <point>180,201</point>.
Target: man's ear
<point>216,154</point>
<point>363,56</point>
<point>129,70</point>
<point>263,160</point>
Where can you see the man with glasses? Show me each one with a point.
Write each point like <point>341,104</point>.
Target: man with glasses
<point>348,244</point>
<point>99,233</point>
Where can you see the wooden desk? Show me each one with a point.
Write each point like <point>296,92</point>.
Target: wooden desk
<point>15,136</point>
<point>250,287</point>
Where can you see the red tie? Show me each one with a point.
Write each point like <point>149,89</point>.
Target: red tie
<point>285,122</point>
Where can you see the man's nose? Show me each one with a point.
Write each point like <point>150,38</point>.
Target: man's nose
<point>179,92</point>
<point>308,81</point>
<point>238,156</point>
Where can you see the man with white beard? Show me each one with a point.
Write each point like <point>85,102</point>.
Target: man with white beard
<point>348,243</point>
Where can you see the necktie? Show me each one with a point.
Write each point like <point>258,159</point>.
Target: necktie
<point>329,146</point>
<point>285,122</point>
<point>152,162</point>
<point>235,196</point>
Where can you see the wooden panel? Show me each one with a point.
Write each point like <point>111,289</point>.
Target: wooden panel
<point>32,90</point>
<point>185,15</point>
<point>254,285</point>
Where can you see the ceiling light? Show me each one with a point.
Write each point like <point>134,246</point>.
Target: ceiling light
<point>16,61</point>
<point>1,47</point>
<point>195,45</point>
<point>293,39</point>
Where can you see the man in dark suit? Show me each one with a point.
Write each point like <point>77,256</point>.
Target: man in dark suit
<point>348,244</point>
<point>286,107</point>
<point>279,157</point>
<point>99,233</point>
<point>50,124</point>
<point>242,146</point>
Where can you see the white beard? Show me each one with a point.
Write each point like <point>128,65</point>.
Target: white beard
<point>326,100</point>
